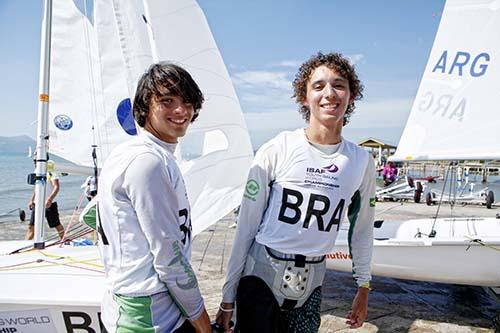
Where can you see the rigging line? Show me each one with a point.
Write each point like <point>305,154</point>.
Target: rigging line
<point>74,236</point>
<point>23,266</point>
<point>452,194</point>
<point>86,261</point>
<point>16,266</point>
<point>74,266</point>
<point>385,210</point>
<point>433,232</point>
<point>72,219</point>
<point>206,247</point>
<point>224,246</point>
<point>480,242</point>
<point>93,91</point>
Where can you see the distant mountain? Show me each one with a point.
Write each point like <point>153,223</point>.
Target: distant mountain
<point>16,144</point>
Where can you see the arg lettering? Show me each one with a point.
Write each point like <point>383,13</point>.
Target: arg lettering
<point>443,106</point>
<point>463,62</point>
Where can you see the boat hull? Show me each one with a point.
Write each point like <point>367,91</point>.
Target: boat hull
<point>58,289</point>
<point>454,255</point>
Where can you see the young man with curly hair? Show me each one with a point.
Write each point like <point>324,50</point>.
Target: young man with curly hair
<point>145,220</point>
<point>301,186</point>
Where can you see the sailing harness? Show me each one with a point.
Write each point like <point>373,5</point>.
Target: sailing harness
<point>291,277</point>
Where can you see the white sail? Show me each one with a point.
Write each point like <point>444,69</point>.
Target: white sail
<point>95,69</point>
<point>217,152</point>
<point>84,97</point>
<point>454,113</point>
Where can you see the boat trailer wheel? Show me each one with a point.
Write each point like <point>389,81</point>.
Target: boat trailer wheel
<point>418,193</point>
<point>490,199</point>
<point>429,200</point>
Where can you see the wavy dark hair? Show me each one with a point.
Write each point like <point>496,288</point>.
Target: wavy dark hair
<point>165,78</point>
<point>339,64</point>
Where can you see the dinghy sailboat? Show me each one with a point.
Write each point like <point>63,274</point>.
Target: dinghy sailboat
<point>452,118</point>
<point>93,72</point>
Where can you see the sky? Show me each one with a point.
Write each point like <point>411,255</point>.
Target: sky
<point>263,42</point>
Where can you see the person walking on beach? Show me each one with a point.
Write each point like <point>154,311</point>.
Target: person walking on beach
<point>52,188</point>
<point>144,220</point>
<point>299,188</point>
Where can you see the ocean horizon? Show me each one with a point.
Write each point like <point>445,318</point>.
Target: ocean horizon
<point>15,192</point>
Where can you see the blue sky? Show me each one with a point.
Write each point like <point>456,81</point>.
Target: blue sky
<point>262,43</point>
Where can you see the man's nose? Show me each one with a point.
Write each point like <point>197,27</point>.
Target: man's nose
<point>329,91</point>
<point>181,108</point>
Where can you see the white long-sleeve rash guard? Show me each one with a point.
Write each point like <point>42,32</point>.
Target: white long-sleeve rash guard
<point>145,218</point>
<point>296,197</point>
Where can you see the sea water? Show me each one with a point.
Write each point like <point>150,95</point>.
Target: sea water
<point>15,192</point>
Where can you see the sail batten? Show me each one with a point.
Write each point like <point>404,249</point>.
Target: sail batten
<point>454,113</point>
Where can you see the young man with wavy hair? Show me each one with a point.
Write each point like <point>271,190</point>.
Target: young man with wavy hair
<point>300,187</point>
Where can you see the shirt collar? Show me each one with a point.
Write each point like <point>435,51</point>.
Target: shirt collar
<point>170,147</point>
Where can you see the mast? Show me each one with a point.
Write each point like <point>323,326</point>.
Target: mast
<point>42,128</point>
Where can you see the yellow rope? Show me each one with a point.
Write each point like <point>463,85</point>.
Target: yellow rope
<point>68,260</point>
<point>86,262</point>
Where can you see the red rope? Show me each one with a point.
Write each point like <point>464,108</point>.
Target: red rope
<point>72,220</point>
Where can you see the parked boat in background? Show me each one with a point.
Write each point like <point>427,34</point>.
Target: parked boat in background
<point>454,117</point>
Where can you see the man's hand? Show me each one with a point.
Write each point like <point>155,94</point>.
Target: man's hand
<point>202,323</point>
<point>223,317</point>
<point>48,203</point>
<point>30,204</point>
<point>357,316</point>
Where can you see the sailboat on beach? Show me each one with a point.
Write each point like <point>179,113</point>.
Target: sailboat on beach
<point>93,72</point>
<point>454,117</point>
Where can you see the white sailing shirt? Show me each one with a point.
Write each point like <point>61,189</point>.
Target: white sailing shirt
<point>145,230</point>
<point>297,196</point>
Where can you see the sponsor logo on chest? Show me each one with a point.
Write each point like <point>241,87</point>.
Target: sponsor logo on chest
<point>324,177</point>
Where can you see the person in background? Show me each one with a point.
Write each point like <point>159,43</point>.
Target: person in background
<point>300,187</point>
<point>52,188</point>
<point>89,187</point>
<point>144,222</point>
<point>389,173</point>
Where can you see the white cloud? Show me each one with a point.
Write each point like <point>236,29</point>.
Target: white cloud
<point>388,113</point>
<point>259,101</point>
<point>262,79</point>
<point>276,120</point>
<point>356,58</point>
<point>288,63</point>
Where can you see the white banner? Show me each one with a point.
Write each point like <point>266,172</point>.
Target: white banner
<point>32,321</point>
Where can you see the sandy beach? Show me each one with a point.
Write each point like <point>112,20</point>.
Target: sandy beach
<point>395,305</point>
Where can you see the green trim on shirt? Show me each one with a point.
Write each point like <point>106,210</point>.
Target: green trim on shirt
<point>135,315</point>
<point>352,214</point>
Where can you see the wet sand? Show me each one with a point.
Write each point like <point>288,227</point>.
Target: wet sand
<point>395,305</point>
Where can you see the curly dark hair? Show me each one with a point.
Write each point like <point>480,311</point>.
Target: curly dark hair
<point>165,78</point>
<point>339,64</point>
